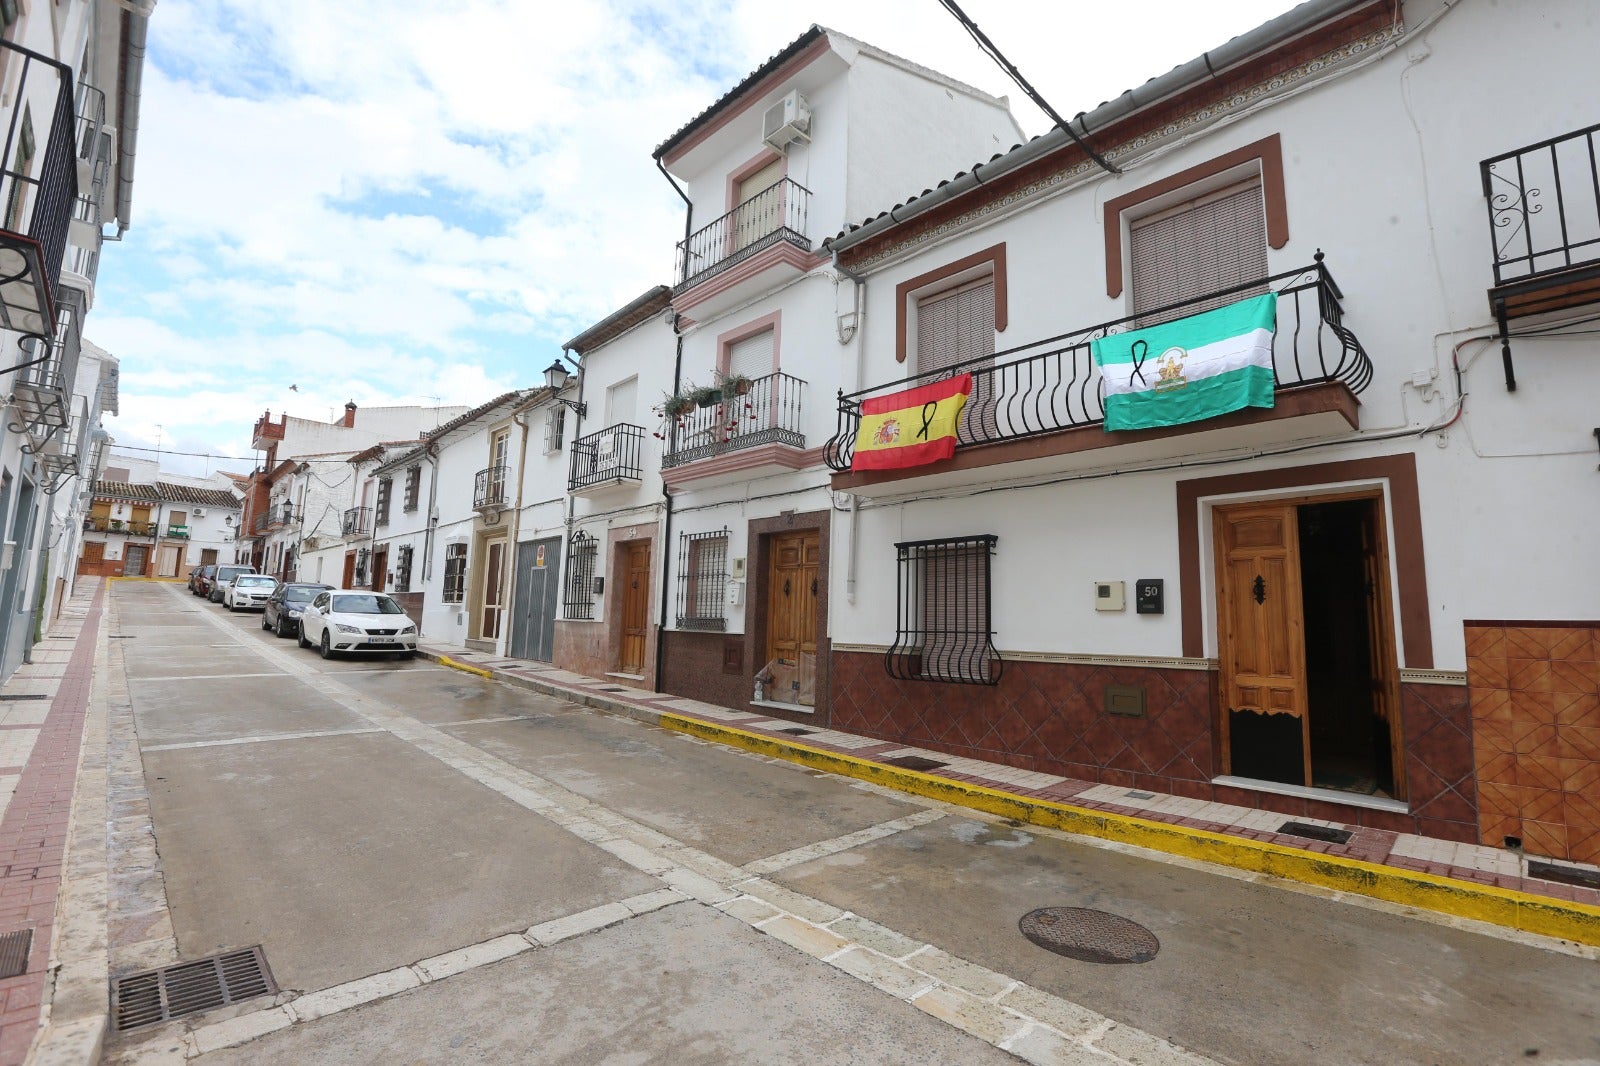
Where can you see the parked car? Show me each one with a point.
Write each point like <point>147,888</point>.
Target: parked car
<point>194,572</point>
<point>336,622</point>
<point>219,580</point>
<point>200,583</point>
<point>247,592</point>
<point>282,611</point>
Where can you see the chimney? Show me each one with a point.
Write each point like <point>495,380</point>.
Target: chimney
<point>350,414</point>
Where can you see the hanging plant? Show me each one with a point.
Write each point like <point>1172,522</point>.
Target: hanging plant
<point>675,405</point>
<point>736,385</point>
<point>706,396</point>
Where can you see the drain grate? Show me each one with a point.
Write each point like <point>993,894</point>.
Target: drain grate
<point>1326,834</point>
<point>611,688</point>
<point>1566,875</point>
<point>127,636</point>
<point>1089,936</point>
<point>1136,794</point>
<point>156,996</point>
<point>914,762</point>
<point>24,696</point>
<point>798,732</point>
<point>14,952</point>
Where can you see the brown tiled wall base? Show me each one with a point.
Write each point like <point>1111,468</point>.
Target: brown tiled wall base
<point>581,647</point>
<point>33,838</point>
<point>1049,717</point>
<point>1535,698</point>
<point>100,568</point>
<point>693,668</point>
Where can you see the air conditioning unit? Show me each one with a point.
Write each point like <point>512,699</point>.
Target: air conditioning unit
<point>198,512</point>
<point>787,120</point>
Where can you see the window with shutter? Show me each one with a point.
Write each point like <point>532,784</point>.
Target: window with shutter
<point>702,580</point>
<point>943,631</point>
<point>757,215</point>
<point>555,424</point>
<point>1202,246</point>
<point>385,490</point>
<point>413,487</point>
<point>956,327</point>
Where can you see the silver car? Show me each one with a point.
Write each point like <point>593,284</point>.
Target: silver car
<point>248,592</point>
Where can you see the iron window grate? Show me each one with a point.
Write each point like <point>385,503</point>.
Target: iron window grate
<point>14,949</point>
<point>363,557</point>
<point>455,573</point>
<point>943,630</point>
<point>413,488</point>
<point>160,995</point>
<point>703,580</point>
<point>402,568</point>
<point>578,600</point>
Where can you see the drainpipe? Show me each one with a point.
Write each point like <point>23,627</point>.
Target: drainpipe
<point>433,511</point>
<point>666,532</point>
<point>135,26</point>
<point>853,544</point>
<point>577,431</point>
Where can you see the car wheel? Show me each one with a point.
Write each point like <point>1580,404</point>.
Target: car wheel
<point>304,643</point>
<point>280,629</point>
<point>327,646</point>
<point>264,620</point>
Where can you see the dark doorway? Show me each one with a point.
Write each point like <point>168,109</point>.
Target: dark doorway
<point>1350,748</point>
<point>534,600</point>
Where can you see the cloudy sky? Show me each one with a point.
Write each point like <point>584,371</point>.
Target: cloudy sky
<point>417,201</point>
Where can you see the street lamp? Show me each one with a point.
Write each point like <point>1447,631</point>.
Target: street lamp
<point>555,379</point>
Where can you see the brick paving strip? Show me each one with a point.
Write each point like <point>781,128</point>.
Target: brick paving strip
<point>1484,887</point>
<point>34,829</point>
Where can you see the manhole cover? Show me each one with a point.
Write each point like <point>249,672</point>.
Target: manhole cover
<point>1089,936</point>
<point>25,696</point>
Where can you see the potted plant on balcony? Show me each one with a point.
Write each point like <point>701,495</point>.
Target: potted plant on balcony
<point>677,404</point>
<point>706,395</point>
<point>116,525</point>
<point>736,384</point>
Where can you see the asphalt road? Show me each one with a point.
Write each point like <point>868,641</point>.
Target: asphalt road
<point>354,817</point>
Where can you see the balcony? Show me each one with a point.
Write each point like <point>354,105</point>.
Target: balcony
<point>489,490</point>
<point>1544,226</point>
<point>611,458</point>
<point>741,436</point>
<point>43,389</point>
<point>357,522</point>
<point>1035,403</point>
<point>178,531</point>
<point>259,526</point>
<point>130,527</point>
<point>767,230</point>
<point>59,464</point>
<point>279,516</point>
<point>38,185</point>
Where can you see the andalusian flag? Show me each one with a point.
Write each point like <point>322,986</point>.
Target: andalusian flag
<point>911,428</point>
<point>1197,367</point>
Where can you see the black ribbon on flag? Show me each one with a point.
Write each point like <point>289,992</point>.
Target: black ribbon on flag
<point>929,409</point>
<point>1140,351</point>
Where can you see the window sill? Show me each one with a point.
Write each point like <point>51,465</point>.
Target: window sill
<point>1323,795</point>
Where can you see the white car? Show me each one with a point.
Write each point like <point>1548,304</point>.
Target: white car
<point>248,592</point>
<point>338,621</point>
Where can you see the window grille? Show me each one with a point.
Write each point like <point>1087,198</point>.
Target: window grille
<point>579,599</point>
<point>702,580</point>
<point>1207,244</point>
<point>402,568</point>
<point>943,631</point>
<point>385,490</point>
<point>363,555</point>
<point>413,487</point>
<point>555,424</point>
<point>455,573</point>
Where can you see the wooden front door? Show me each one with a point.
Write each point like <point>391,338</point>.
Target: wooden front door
<point>635,606</point>
<point>380,568</point>
<point>494,589</point>
<point>349,571</point>
<point>792,577</point>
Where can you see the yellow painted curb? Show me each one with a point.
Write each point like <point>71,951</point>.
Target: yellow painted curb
<point>445,660</point>
<point>1464,899</point>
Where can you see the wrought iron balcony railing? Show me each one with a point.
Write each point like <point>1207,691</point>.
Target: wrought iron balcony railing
<point>489,489</point>
<point>357,522</point>
<point>613,456</point>
<point>91,112</point>
<point>259,526</point>
<point>280,515</point>
<point>1053,385</point>
<point>767,413</point>
<point>1544,206</point>
<point>777,213</point>
<point>38,185</point>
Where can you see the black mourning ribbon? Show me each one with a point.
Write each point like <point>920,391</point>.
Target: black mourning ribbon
<point>929,409</point>
<point>1140,351</point>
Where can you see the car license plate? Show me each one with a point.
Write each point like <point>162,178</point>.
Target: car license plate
<point>381,640</point>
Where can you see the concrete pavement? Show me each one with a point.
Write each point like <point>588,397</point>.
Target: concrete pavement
<point>441,867</point>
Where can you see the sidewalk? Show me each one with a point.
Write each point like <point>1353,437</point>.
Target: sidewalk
<point>42,711</point>
<point>1464,880</point>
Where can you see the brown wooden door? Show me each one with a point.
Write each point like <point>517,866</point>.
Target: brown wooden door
<point>380,568</point>
<point>792,610</point>
<point>133,556</point>
<point>1380,638</point>
<point>635,607</point>
<point>1261,629</point>
<point>349,570</point>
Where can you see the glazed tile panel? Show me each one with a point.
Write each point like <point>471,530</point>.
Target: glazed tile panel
<point>1535,698</point>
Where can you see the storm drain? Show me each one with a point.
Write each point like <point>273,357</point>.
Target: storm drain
<point>798,732</point>
<point>129,636</point>
<point>1136,794</point>
<point>613,688</point>
<point>14,952</point>
<point>914,762</point>
<point>1325,833</point>
<point>1566,875</point>
<point>157,996</point>
<point>1089,936</point>
<point>24,696</point>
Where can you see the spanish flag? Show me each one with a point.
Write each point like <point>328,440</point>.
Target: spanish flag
<point>911,428</point>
